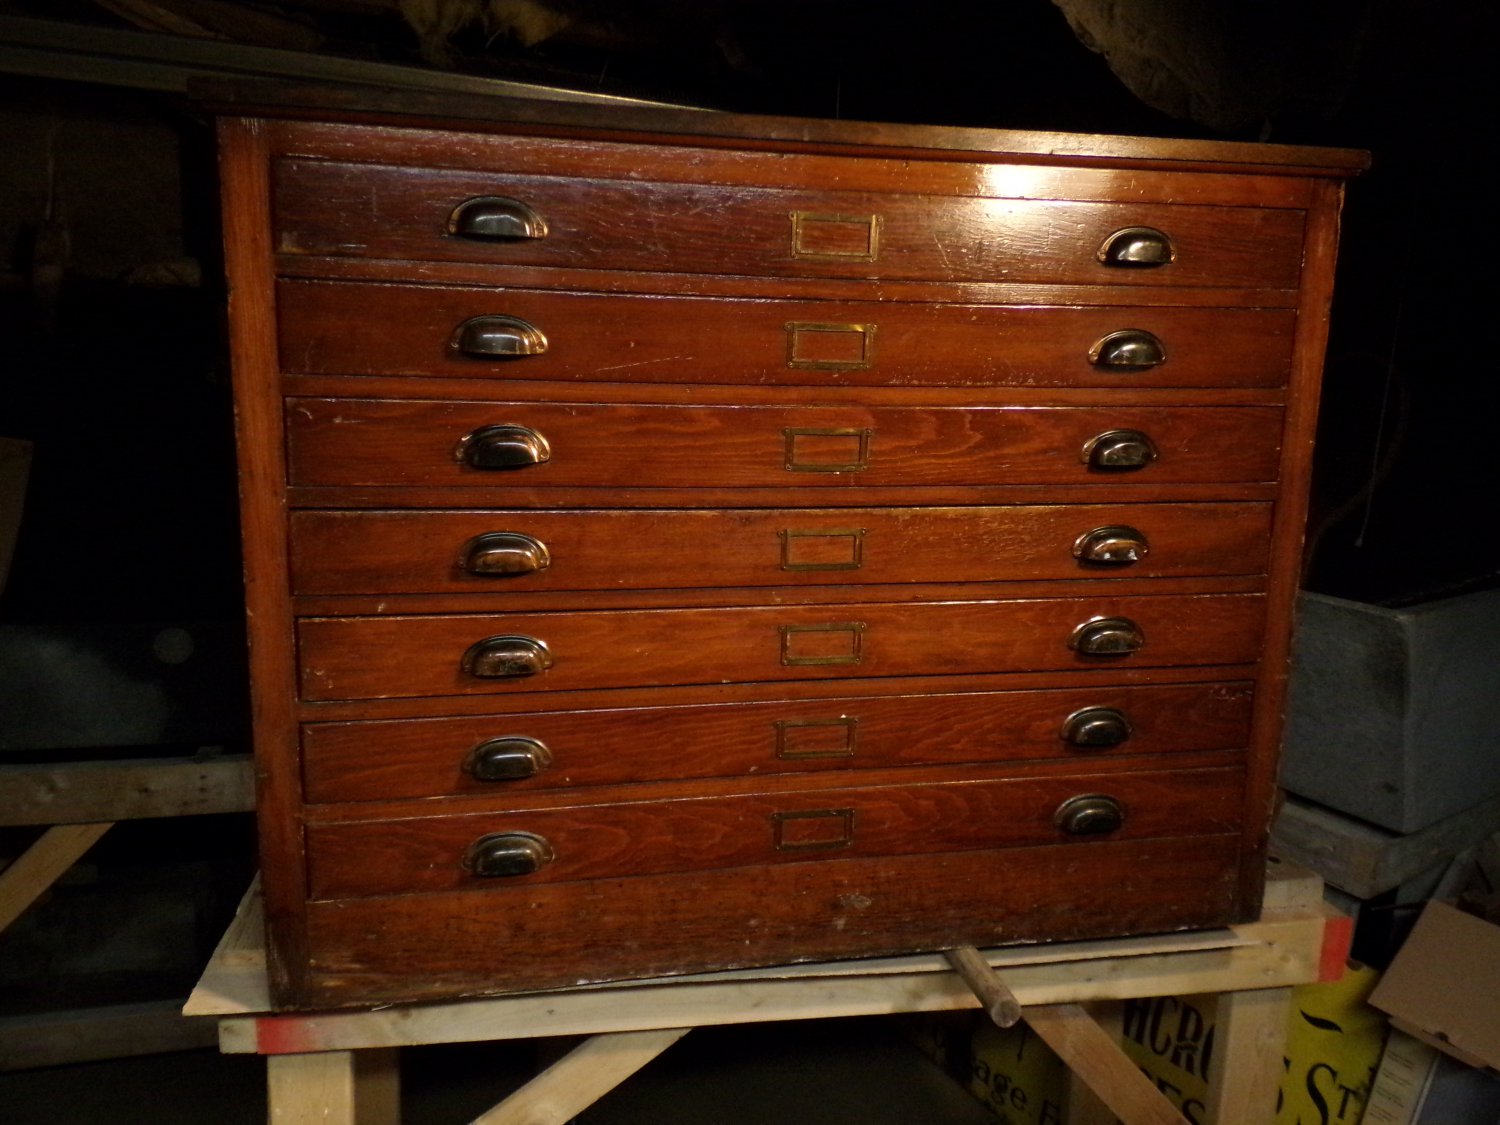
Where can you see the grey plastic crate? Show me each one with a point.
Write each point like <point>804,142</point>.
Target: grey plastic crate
<point>1392,712</point>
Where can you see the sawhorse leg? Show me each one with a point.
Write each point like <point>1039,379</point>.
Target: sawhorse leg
<point>1249,1047</point>
<point>40,865</point>
<point>334,1088</point>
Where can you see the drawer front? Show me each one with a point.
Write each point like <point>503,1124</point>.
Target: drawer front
<point>439,853</point>
<point>396,759</point>
<point>521,935</point>
<point>355,328</point>
<point>375,552</point>
<point>369,210</point>
<point>383,442</point>
<point>385,657</point>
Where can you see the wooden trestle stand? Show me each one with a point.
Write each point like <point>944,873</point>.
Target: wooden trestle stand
<point>339,1068</point>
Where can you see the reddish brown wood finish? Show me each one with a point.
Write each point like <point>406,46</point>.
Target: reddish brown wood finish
<point>382,760</point>
<point>382,949</point>
<point>810,499</point>
<point>631,838</point>
<point>420,442</point>
<point>340,328</point>
<point>375,657</point>
<point>395,552</point>
<point>324,208</point>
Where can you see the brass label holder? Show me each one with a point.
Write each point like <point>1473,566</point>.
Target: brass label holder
<point>798,739</point>
<point>818,236</point>
<point>827,450</point>
<point>818,346</point>
<point>812,645</point>
<point>815,830</point>
<point>849,542</point>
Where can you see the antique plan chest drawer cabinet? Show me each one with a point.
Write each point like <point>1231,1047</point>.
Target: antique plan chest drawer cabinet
<point>678,541</point>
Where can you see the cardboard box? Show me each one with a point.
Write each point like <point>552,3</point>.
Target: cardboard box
<point>1390,710</point>
<point>1444,985</point>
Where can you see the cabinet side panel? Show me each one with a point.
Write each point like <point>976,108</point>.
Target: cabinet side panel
<point>1289,526</point>
<point>252,342</point>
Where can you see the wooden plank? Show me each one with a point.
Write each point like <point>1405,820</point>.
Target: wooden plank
<point>333,1088</point>
<point>1250,1038</point>
<point>1367,861</point>
<point>1287,953</point>
<point>38,867</point>
<point>79,792</point>
<point>1081,1105</point>
<point>56,49</point>
<point>84,1034</point>
<point>1097,1060</point>
<point>581,1077</point>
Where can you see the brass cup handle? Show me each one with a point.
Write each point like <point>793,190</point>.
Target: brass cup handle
<point>1115,545</point>
<point>1096,728</point>
<point>1130,349</point>
<point>504,554</point>
<point>1107,636</point>
<point>506,657</point>
<point>497,337</point>
<point>1118,451</point>
<point>511,758</point>
<point>496,218</point>
<point>1136,248</point>
<point>504,447</point>
<point>1089,814</point>
<point>507,854</point>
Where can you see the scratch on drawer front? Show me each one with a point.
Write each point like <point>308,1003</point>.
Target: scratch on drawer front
<point>641,363</point>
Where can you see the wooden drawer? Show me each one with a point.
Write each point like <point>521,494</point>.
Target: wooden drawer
<point>385,657</point>
<point>359,328</point>
<point>396,759</point>
<point>325,208</point>
<point>418,852</point>
<point>384,442</point>
<point>392,552</point>
<point>550,935</point>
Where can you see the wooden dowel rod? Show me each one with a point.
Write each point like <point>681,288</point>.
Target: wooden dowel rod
<point>999,1001</point>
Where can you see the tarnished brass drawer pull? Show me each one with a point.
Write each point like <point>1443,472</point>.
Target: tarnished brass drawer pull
<point>1115,545</point>
<point>497,337</point>
<point>504,554</point>
<point>1096,728</point>
<point>1090,814</point>
<point>495,218</point>
<point>1136,248</point>
<point>504,447</point>
<point>507,759</point>
<point>1107,636</point>
<point>507,656</point>
<point>1130,349</point>
<point>1118,451</point>
<point>504,854</point>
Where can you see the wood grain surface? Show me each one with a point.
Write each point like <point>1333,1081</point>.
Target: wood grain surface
<point>386,759</point>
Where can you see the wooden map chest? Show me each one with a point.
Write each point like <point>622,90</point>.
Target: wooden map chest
<point>678,541</point>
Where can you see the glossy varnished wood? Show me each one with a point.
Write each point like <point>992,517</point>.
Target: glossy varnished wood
<point>342,328</point>
<point>635,224</point>
<point>374,657</point>
<point>369,950</point>
<point>396,552</point>
<point>380,760</point>
<point>418,442</point>
<point>638,838</point>
<point>814,399</point>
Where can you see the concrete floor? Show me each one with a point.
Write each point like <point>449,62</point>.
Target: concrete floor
<point>818,1072</point>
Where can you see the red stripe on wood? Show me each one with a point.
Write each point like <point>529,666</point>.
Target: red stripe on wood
<point>1338,933</point>
<point>285,1035</point>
